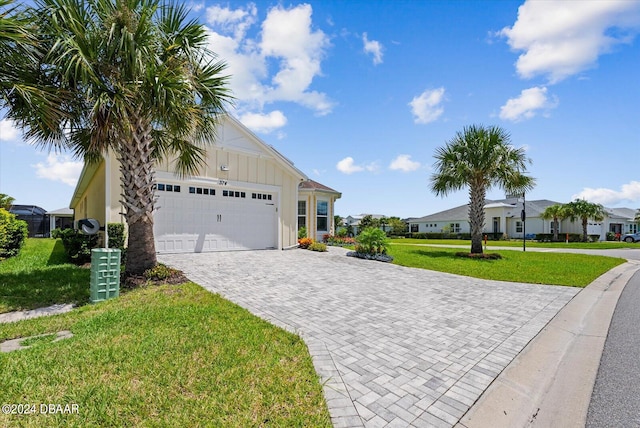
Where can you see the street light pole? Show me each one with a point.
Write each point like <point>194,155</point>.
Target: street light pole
<point>523,216</point>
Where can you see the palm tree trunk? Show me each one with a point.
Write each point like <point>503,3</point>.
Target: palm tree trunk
<point>138,184</point>
<point>477,194</point>
<point>584,229</point>
<point>555,229</point>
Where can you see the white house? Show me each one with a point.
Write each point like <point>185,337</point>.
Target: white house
<point>503,218</point>
<point>244,197</point>
<point>354,220</point>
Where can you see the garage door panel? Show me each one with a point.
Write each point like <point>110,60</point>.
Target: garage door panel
<point>187,222</point>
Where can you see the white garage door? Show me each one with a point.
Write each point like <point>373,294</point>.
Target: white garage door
<point>201,218</point>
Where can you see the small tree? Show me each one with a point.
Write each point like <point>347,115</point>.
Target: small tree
<point>337,222</point>
<point>584,210</point>
<point>366,222</point>
<point>6,201</point>
<point>637,219</point>
<point>556,212</point>
<point>398,227</point>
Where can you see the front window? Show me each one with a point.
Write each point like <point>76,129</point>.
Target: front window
<point>414,228</point>
<point>321,215</point>
<point>519,227</point>
<point>455,227</point>
<point>302,214</point>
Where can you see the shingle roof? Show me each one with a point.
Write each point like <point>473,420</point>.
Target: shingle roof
<point>534,209</point>
<point>314,185</point>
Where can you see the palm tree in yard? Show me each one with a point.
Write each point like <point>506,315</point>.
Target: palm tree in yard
<point>480,158</point>
<point>134,77</point>
<point>556,213</point>
<point>584,210</point>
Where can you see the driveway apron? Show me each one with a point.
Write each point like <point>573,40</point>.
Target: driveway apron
<point>394,346</point>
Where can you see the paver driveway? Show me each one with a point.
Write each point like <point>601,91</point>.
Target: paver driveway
<point>396,346</point>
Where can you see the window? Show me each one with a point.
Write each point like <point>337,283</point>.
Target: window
<point>518,226</point>
<point>302,214</point>
<point>176,188</point>
<point>455,227</point>
<point>192,190</point>
<point>414,228</point>
<point>322,210</point>
<point>161,187</point>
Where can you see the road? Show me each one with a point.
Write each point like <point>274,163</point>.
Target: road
<point>615,401</point>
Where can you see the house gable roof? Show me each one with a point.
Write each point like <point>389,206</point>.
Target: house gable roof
<point>534,209</point>
<point>233,136</point>
<point>312,185</point>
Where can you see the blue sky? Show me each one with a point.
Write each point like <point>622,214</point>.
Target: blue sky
<point>359,94</point>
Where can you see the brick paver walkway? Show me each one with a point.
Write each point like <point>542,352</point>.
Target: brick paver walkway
<point>395,346</point>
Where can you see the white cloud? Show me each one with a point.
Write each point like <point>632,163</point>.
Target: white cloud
<point>264,123</point>
<point>628,192</point>
<point>526,106</point>
<point>287,40</point>
<point>347,166</point>
<point>8,130</point>
<point>374,48</point>
<point>59,168</point>
<point>404,163</point>
<point>561,38</point>
<point>427,107</point>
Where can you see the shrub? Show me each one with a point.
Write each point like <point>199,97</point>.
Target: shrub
<point>117,236</point>
<point>77,245</point>
<point>305,242</point>
<point>340,241</point>
<point>318,246</point>
<point>325,237</point>
<point>372,241</point>
<point>117,239</point>
<point>13,234</point>
<point>160,272</point>
<point>302,232</point>
<point>342,232</point>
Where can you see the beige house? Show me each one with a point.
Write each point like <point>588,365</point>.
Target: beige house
<point>315,208</point>
<point>245,197</point>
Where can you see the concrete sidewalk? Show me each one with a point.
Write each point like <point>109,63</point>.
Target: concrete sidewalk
<point>550,382</point>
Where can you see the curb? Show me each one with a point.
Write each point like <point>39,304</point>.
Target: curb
<point>551,380</point>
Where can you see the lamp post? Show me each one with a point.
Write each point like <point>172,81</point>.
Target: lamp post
<point>523,217</point>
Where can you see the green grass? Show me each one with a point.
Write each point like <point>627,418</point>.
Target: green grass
<point>538,268</point>
<point>40,276</point>
<point>171,355</point>
<point>606,245</point>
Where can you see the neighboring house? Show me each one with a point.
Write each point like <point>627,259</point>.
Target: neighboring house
<point>503,218</point>
<point>354,220</point>
<point>60,219</point>
<point>36,218</point>
<point>315,208</point>
<point>244,197</point>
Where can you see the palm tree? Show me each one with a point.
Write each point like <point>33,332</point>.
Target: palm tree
<point>584,210</point>
<point>134,77</point>
<point>480,158</point>
<point>637,218</point>
<point>556,212</point>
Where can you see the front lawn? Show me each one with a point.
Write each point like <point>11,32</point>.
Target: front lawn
<point>40,276</point>
<point>605,245</point>
<point>532,267</point>
<point>171,355</point>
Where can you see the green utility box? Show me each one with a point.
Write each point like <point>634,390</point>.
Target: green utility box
<point>105,274</point>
